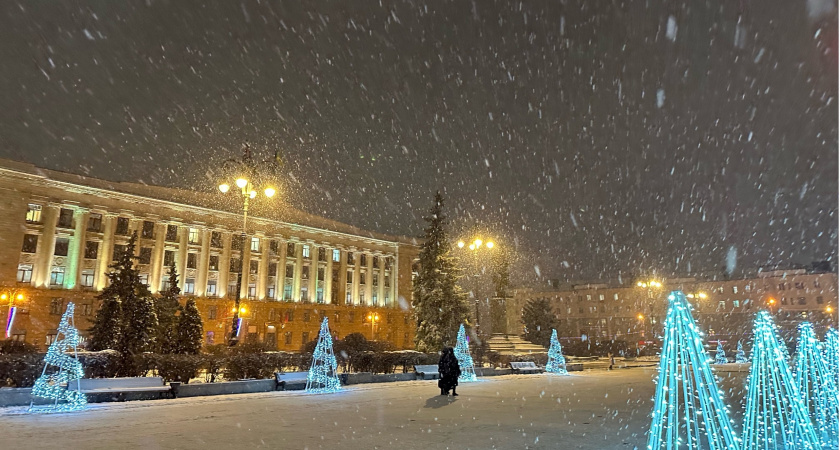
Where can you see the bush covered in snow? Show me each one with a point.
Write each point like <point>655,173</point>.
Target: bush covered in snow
<point>20,370</point>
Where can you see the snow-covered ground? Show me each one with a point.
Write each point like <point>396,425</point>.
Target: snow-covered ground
<point>587,410</point>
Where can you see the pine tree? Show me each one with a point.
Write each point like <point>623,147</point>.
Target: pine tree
<point>556,361</point>
<point>539,321</point>
<point>166,309</point>
<point>190,329</point>
<point>740,356</point>
<point>439,303</point>
<point>720,355</point>
<point>132,330</point>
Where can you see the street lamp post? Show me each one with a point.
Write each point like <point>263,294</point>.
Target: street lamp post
<point>11,296</point>
<point>245,170</point>
<point>476,246</point>
<point>373,318</point>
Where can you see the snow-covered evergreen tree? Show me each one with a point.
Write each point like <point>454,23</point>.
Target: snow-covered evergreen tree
<point>539,321</point>
<point>720,356</point>
<point>166,309</point>
<point>740,356</point>
<point>439,303</point>
<point>133,330</point>
<point>190,329</point>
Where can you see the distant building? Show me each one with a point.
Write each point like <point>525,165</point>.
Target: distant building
<point>724,309</point>
<point>62,232</point>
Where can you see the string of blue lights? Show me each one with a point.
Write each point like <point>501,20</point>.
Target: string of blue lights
<point>462,354</point>
<point>688,410</point>
<point>556,361</point>
<point>323,372</point>
<point>816,385</point>
<point>776,416</point>
<point>57,384</point>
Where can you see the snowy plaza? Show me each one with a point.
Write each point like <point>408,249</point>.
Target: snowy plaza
<point>594,409</point>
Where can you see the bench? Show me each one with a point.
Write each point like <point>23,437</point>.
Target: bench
<point>427,372</point>
<point>123,386</point>
<point>525,367</point>
<point>288,377</point>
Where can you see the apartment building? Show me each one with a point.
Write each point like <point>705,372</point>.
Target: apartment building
<point>63,231</point>
<point>723,308</point>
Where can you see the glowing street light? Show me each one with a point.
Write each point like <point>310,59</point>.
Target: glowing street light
<point>460,244</point>
<point>373,318</point>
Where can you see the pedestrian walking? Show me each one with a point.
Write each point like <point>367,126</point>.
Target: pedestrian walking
<point>612,360</point>
<point>449,371</point>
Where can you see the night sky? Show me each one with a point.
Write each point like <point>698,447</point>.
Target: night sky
<point>600,139</point>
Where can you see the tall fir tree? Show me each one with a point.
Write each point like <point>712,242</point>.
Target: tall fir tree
<point>166,309</point>
<point>133,329</point>
<point>190,329</point>
<point>539,321</point>
<point>440,305</point>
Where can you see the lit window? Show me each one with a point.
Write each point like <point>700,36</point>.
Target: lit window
<point>255,244</point>
<point>87,278</point>
<point>271,292</point>
<point>144,279</point>
<point>24,273</point>
<point>57,276</point>
<point>214,262</point>
<point>254,267</point>
<point>736,303</point>
<point>287,292</point>
<point>193,236</point>
<point>336,257</point>
<point>33,213</point>
<point>306,251</point>
<point>211,288</point>
<point>734,289</point>
<point>189,286</point>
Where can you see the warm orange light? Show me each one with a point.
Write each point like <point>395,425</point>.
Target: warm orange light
<point>19,297</point>
<point>490,244</point>
<point>4,297</point>
<point>241,183</point>
<point>771,301</point>
<point>829,309</point>
<point>641,317</point>
<point>224,187</point>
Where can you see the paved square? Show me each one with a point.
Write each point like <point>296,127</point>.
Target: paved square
<point>589,410</point>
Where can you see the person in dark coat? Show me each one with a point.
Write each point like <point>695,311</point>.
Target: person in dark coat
<point>449,372</point>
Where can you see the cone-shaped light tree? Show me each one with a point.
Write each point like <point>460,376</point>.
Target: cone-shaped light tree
<point>816,385</point>
<point>776,417</point>
<point>556,361</point>
<point>740,356</point>
<point>688,410</point>
<point>59,381</point>
<point>323,375</point>
<point>831,353</point>
<point>462,354</point>
<point>720,355</point>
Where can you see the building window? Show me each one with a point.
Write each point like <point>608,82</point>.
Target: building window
<point>65,218</point>
<point>234,265</point>
<point>588,298</point>
<point>288,337</point>
<point>118,251</point>
<point>24,273</point>
<point>189,286</point>
<point>305,337</point>
<point>273,247</point>
<point>144,279</point>
<point>216,239</point>
<point>306,316</point>
<point>287,291</point>
<point>193,236</point>
<point>351,259</point>
<point>321,273</point>
<point>252,290</point>
<point>290,250</point>
<point>290,271</point>
<point>816,283</point>
<point>172,233</point>
<point>799,285</point>
<point>362,277</point>
<point>214,262</point>
<point>784,301</point>
<point>336,255</point>
<point>721,305</point>
<point>253,267</point>
<point>374,299</point>
<point>192,260</point>
<point>736,303</point>
<point>375,262</point>
<point>211,312</point>
<point>349,276</point>
<point>255,244</point>
<point>145,255</point>
<point>322,254</point>
<point>351,316</point>
<point>56,306</point>
<point>57,276</point>
<point>168,258</point>
<point>87,278</point>
<point>819,300</point>
<point>747,288</point>
<point>304,273</point>
<point>122,226</point>
<point>211,288</point>
<point>236,242</point>
<point>231,291</point>
<point>164,284</point>
<point>148,231</point>
<point>802,301</point>
<point>271,293</point>
<point>304,294</point>
<point>95,222</point>
<point>306,251</point>
<point>272,314</point>
<point>781,286</point>
<point>348,300</point>
<point>734,289</point>
<point>319,295</point>
<point>334,276</point>
<point>362,298</point>
<point>375,279</point>
<point>62,245</point>
<point>363,259</point>
<point>33,213</point>
<point>30,243</point>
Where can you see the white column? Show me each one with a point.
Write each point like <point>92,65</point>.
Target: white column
<point>262,277</point>
<point>203,264</point>
<point>47,246</point>
<point>181,255</point>
<point>75,255</point>
<point>328,285</point>
<point>224,265</point>
<point>156,266</point>
<point>105,249</point>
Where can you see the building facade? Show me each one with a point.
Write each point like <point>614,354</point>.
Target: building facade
<point>724,309</point>
<point>63,231</point>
